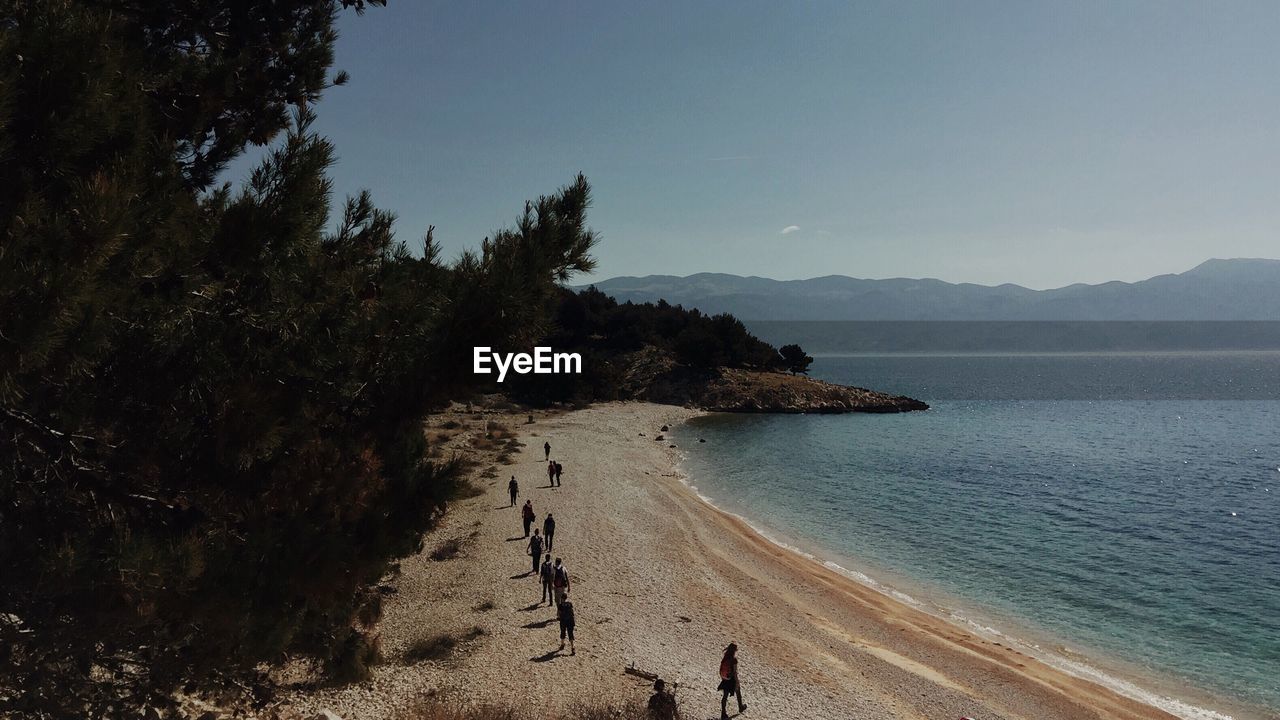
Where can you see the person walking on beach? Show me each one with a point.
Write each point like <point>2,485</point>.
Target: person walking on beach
<point>535,550</point>
<point>514,487</point>
<point>549,530</point>
<point>559,469</point>
<point>548,596</point>
<point>527,514</point>
<point>662,704</point>
<point>560,582</point>
<point>546,450</point>
<point>551,474</point>
<point>729,684</point>
<point>564,613</point>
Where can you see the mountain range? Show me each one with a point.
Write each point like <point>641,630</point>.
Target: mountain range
<point>1231,289</point>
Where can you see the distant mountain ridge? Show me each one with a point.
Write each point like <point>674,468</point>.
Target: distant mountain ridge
<point>1232,289</point>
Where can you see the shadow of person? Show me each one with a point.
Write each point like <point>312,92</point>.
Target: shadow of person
<point>538,624</point>
<point>545,658</point>
<point>530,608</point>
<point>525,574</point>
<point>517,538</point>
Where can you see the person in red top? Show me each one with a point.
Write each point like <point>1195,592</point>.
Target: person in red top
<point>729,684</point>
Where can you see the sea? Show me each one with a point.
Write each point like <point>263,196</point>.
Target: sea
<point>1114,513</point>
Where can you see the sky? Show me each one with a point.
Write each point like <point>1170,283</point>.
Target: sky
<point>1035,143</point>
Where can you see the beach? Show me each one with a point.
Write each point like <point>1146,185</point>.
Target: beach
<point>663,581</point>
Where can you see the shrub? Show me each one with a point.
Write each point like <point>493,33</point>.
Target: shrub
<point>440,646</point>
<point>436,647</point>
<point>446,550</point>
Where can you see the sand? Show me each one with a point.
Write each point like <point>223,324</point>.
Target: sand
<point>664,581</point>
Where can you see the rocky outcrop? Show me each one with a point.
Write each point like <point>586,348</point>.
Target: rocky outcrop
<point>656,378</point>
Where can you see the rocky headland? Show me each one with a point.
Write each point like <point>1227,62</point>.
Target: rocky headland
<point>651,376</point>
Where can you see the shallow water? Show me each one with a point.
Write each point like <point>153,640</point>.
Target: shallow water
<point>1145,530</point>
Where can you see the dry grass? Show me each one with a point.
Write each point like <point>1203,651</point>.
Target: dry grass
<point>497,431</point>
<point>485,443</point>
<point>447,550</point>
<point>436,647</point>
<point>441,646</point>
<point>469,490</point>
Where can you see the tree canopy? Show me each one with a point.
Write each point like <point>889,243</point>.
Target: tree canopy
<point>794,359</point>
<point>210,401</point>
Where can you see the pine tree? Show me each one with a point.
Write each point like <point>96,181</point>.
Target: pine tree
<point>210,405</point>
<point>794,359</point>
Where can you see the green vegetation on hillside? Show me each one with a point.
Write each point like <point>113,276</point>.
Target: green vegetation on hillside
<point>210,402</point>
<point>605,332</point>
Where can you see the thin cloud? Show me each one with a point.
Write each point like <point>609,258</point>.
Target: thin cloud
<point>790,229</point>
<point>724,158</point>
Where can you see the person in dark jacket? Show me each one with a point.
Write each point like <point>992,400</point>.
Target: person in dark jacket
<point>549,530</point>
<point>559,469</point>
<point>564,613</point>
<point>514,488</point>
<point>526,513</point>
<point>546,449</point>
<point>545,573</point>
<point>729,683</point>
<point>535,550</point>
<point>560,581</point>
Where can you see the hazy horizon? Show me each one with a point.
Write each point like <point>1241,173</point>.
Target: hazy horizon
<point>596,277</point>
<point>1033,143</point>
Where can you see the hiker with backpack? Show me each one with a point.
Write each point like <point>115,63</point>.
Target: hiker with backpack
<point>729,684</point>
<point>549,530</point>
<point>560,581</point>
<point>564,613</point>
<point>662,703</point>
<point>527,514</point>
<point>545,574</point>
<point>514,488</point>
<point>535,550</point>
<point>559,469</point>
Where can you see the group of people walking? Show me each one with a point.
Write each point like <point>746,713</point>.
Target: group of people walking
<point>553,576</point>
<point>554,579</point>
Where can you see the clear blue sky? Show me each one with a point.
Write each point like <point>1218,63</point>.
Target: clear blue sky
<point>1028,142</point>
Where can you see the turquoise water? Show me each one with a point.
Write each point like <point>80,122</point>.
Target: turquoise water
<point>1146,530</point>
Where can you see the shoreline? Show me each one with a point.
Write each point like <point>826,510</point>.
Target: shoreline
<point>1091,665</point>
<point>662,581</point>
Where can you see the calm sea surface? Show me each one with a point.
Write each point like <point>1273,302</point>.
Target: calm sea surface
<point>1122,508</point>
